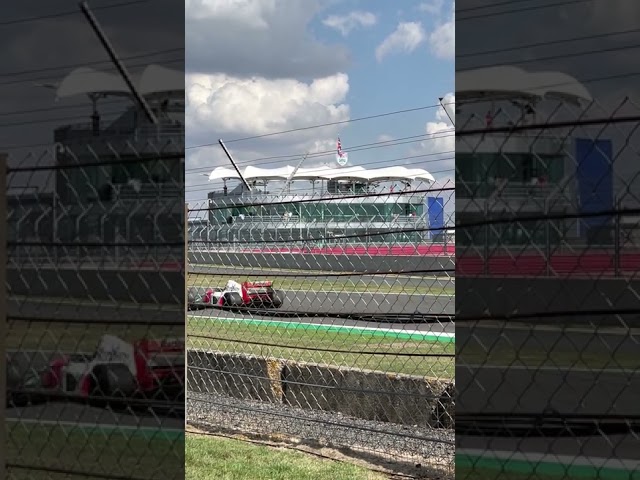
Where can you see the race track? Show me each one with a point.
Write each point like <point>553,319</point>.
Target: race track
<point>332,302</point>
<point>71,414</point>
<point>526,387</point>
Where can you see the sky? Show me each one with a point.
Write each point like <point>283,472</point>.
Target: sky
<point>259,67</point>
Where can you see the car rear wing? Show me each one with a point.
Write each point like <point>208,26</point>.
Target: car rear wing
<point>257,284</point>
<point>166,345</point>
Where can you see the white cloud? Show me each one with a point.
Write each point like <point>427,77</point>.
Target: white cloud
<point>345,23</point>
<point>252,13</point>
<point>384,138</point>
<point>440,143</point>
<point>442,40</point>
<point>406,38</point>
<point>266,38</point>
<point>220,106</point>
<point>433,6</point>
<point>230,106</point>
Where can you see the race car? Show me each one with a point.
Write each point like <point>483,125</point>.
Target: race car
<point>236,295</point>
<point>119,370</point>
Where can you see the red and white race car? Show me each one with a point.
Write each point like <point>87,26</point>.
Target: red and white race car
<point>119,369</point>
<point>234,294</point>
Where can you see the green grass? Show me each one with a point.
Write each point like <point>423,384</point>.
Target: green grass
<point>225,459</point>
<point>124,453</point>
<point>69,337</point>
<point>337,284</point>
<point>238,337</point>
<point>489,474</point>
<point>490,469</point>
<point>532,358</point>
<point>49,451</point>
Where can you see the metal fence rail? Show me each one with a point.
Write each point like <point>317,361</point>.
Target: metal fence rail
<point>341,356</point>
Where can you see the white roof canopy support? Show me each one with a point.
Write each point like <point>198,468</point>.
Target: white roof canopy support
<point>357,174</point>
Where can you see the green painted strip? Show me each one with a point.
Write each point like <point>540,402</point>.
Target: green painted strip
<point>550,469</point>
<point>132,431</point>
<point>315,327</point>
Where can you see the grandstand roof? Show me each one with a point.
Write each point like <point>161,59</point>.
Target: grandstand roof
<point>325,173</point>
<point>513,81</point>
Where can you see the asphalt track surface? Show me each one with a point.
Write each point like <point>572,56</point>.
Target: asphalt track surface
<point>530,389</point>
<point>300,302</point>
<point>70,414</point>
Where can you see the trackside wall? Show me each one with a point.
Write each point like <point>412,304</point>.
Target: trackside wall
<point>365,394</point>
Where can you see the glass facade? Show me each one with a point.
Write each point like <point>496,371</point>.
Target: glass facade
<point>325,211</point>
<point>513,234</point>
<point>479,174</point>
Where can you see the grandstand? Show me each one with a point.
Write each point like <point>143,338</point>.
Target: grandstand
<point>331,206</point>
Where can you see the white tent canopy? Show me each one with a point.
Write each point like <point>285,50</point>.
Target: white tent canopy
<point>157,79</point>
<point>357,173</point>
<point>154,80</point>
<point>513,81</point>
<point>87,80</point>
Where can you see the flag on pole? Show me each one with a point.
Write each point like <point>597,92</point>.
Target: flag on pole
<point>342,157</point>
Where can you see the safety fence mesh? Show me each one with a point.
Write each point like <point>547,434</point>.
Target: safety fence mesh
<point>324,319</point>
<point>547,199</point>
<point>95,343</point>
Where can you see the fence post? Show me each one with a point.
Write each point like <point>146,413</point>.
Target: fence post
<point>547,235</point>
<point>617,238</point>
<point>186,265</point>
<point>3,314</point>
<point>486,237</point>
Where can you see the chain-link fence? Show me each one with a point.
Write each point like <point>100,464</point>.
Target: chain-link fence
<point>324,321</point>
<point>546,223</point>
<point>95,316</point>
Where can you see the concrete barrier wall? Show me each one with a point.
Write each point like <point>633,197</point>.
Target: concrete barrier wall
<point>440,265</point>
<point>369,395</point>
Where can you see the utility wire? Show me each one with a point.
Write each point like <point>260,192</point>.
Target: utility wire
<point>311,127</point>
<point>563,56</point>
<point>523,9</point>
<point>89,63</point>
<point>545,43</point>
<point>69,12</point>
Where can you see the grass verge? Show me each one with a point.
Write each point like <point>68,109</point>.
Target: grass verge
<point>536,358</point>
<point>310,273</point>
<point>493,469</point>
<point>73,337</point>
<point>226,459</point>
<point>328,284</point>
<point>373,350</point>
<point>54,452</point>
<point>308,343</point>
<point>50,451</point>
